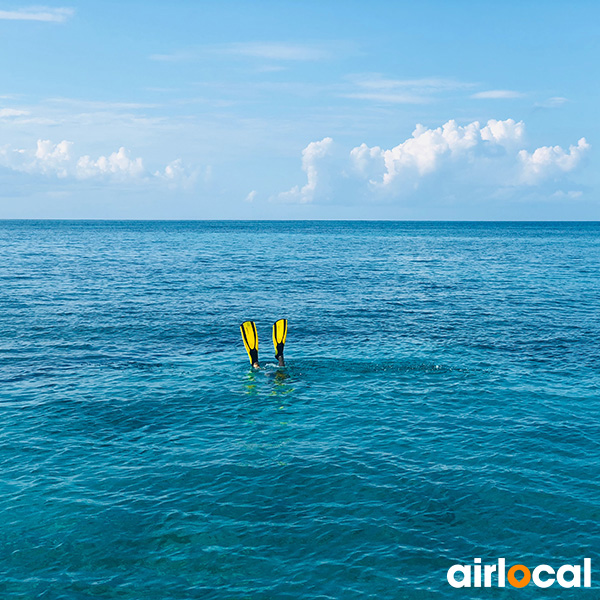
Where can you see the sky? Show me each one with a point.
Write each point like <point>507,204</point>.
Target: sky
<point>429,110</point>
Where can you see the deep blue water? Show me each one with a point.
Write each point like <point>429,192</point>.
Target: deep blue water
<point>440,403</point>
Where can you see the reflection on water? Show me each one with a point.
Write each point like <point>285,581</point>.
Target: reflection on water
<point>273,382</point>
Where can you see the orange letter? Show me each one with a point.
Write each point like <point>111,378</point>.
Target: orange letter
<point>514,581</point>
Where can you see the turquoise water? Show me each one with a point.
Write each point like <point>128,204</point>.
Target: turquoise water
<point>440,403</point>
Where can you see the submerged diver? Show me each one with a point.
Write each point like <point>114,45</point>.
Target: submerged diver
<point>250,337</point>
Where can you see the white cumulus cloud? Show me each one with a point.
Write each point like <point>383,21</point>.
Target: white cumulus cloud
<point>452,157</point>
<point>314,157</point>
<point>59,160</point>
<point>550,161</point>
<point>503,132</point>
<point>428,149</point>
<point>52,158</point>
<point>118,163</point>
<point>176,174</point>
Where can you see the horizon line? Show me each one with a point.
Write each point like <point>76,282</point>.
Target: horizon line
<point>210,220</point>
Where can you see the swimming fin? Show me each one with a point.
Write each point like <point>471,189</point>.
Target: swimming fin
<point>279,335</point>
<point>250,337</point>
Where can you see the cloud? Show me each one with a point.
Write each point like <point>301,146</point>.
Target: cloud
<point>376,81</point>
<point>38,13</point>
<point>388,98</point>
<point>99,105</point>
<point>551,161</point>
<point>497,95</point>
<point>447,159</point>
<point>554,102</point>
<point>116,164</point>
<point>175,174</point>
<point>270,69</point>
<point>58,160</point>
<point>569,194</point>
<point>314,157</point>
<point>502,132</point>
<point>272,51</point>
<point>427,149</point>
<point>375,87</point>
<point>12,112</point>
<point>51,158</point>
<point>180,56</point>
<point>278,51</point>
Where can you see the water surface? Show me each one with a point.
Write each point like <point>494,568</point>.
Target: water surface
<point>440,403</point>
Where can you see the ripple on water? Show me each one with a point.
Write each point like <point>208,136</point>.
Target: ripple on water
<point>440,403</point>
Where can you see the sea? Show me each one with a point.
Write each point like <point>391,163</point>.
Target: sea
<point>440,403</point>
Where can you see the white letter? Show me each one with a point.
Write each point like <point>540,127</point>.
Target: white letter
<point>466,580</point>
<point>536,576</point>
<point>477,572</point>
<point>587,572</point>
<point>501,572</point>
<point>575,582</point>
<point>488,570</point>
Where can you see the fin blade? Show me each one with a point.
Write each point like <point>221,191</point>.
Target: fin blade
<point>279,336</point>
<point>250,338</point>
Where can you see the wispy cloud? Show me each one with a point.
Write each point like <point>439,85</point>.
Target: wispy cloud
<point>278,51</point>
<point>269,68</point>
<point>38,13</point>
<point>100,105</point>
<point>555,102</point>
<point>497,95</point>
<point>12,112</point>
<point>388,98</point>
<point>376,81</point>
<point>179,56</point>
<point>272,51</point>
<point>377,88</point>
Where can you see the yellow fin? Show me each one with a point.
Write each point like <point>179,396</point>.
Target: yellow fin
<point>250,337</point>
<point>279,335</point>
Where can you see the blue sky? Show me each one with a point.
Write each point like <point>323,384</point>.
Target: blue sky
<point>359,110</point>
